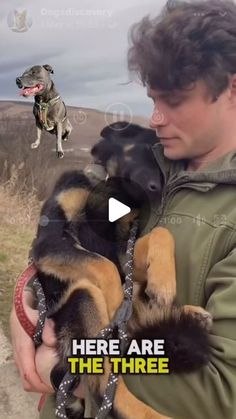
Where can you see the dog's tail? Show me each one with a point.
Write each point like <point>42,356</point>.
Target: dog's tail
<point>185,335</point>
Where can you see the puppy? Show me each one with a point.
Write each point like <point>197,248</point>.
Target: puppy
<point>49,109</point>
<point>78,254</point>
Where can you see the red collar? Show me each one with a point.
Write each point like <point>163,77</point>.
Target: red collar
<point>22,280</point>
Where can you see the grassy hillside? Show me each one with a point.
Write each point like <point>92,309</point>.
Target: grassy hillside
<point>41,167</point>
<point>18,219</point>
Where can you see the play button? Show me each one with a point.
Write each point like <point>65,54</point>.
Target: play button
<point>107,205</point>
<point>116,209</point>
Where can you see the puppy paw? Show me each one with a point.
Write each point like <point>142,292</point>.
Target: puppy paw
<point>60,154</point>
<point>204,318</point>
<point>34,145</point>
<point>159,297</point>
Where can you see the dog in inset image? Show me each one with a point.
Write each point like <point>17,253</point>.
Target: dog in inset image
<point>79,254</point>
<point>49,109</point>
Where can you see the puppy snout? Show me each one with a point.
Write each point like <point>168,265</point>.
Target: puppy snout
<point>19,82</point>
<point>152,186</point>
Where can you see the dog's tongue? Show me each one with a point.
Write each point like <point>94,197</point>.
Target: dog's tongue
<point>31,91</point>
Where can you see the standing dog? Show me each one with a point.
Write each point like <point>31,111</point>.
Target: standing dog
<point>78,252</point>
<point>49,109</point>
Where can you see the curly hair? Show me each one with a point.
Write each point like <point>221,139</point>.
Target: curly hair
<point>185,43</point>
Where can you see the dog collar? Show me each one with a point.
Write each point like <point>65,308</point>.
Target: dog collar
<point>22,280</point>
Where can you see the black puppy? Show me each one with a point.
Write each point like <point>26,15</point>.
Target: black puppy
<point>78,255</point>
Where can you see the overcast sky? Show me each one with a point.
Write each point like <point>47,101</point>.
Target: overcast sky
<point>85,41</point>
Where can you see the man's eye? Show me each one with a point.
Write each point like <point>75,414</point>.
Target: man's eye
<point>171,101</point>
<point>174,102</point>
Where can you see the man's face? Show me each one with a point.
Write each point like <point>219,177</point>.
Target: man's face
<point>188,122</point>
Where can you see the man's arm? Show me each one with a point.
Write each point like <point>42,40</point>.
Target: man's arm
<point>210,392</point>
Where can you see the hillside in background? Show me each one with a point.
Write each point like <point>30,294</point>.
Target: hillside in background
<point>39,168</point>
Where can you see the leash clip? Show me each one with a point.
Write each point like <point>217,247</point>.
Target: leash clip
<point>124,312</point>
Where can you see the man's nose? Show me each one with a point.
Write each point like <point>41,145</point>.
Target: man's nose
<point>158,118</point>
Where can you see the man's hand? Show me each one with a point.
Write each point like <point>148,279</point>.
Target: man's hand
<point>24,351</point>
<point>35,366</point>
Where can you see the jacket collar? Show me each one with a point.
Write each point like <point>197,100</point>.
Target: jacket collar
<point>220,171</point>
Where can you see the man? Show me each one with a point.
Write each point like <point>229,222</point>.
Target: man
<point>187,59</point>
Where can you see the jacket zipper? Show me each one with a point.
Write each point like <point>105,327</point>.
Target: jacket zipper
<point>162,206</point>
<point>166,194</point>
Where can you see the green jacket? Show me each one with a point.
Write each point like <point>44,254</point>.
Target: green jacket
<point>199,209</point>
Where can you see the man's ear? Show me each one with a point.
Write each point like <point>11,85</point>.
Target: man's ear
<point>231,90</point>
<point>48,68</point>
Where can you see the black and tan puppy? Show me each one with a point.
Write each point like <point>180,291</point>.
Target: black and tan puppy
<point>125,152</point>
<point>49,109</point>
<point>78,252</point>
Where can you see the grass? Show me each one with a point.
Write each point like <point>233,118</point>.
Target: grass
<point>18,220</point>
<point>3,257</point>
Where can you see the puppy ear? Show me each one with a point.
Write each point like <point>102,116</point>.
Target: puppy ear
<point>106,132</point>
<point>48,68</point>
<point>115,129</point>
<point>104,150</point>
<point>121,129</point>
